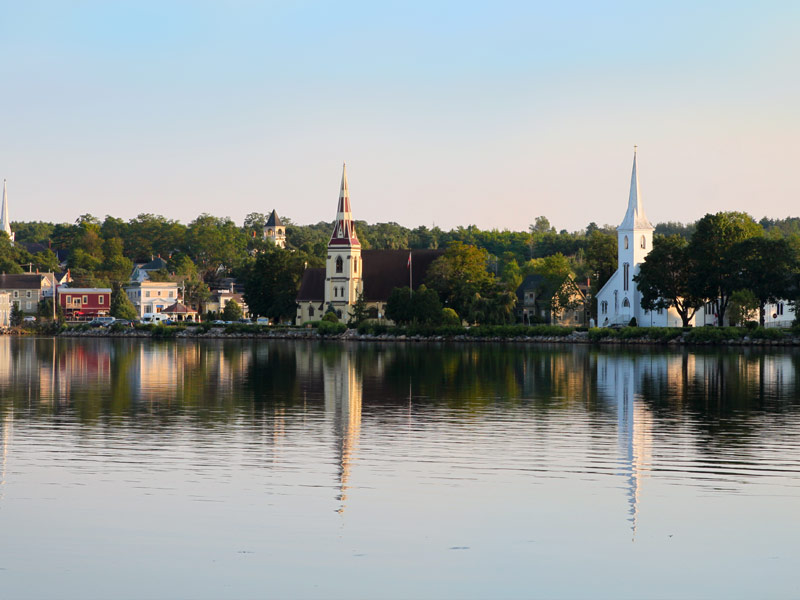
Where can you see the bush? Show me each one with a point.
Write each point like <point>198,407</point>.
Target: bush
<point>163,331</point>
<point>450,317</point>
<point>330,318</point>
<point>328,328</point>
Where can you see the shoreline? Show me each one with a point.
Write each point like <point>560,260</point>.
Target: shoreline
<point>575,337</point>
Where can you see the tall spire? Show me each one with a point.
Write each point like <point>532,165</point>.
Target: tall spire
<point>635,217</point>
<point>5,222</point>
<point>344,231</point>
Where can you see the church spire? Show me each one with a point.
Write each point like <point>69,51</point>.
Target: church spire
<point>635,217</point>
<point>344,231</point>
<point>5,222</point>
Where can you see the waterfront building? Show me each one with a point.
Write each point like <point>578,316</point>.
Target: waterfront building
<point>27,289</point>
<point>84,303</point>
<point>619,300</point>
<point>141,271</point>
<point>151,296</point>
<point>274,231</point>
<point>535,302</point>
<point>5,309</point>
<point>350,271</point>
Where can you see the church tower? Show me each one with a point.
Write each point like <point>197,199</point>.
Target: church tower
<point>343,266</point>
<point>5,222</point>
<point>274,231</point>
<point>634,241</point>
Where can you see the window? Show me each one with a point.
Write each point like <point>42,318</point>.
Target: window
<point>625,303</point>
<point>338,264</point>
<point>604,307</point>
<point>342,292</point>
<point>28,294</point>
<point>626,242</point>
<point>147,294</point>
<point>170,294</point>
<point>101,299</point>
<point>86,299</point>
<point>625,273</point>
<point>335,292</point>
<point>28,305</point>
<point>310,311</point>
<point>661,311</point>
<point>16,294</point>
<point>644,243</point>
<point>779,308</point>
<point>69,300</point>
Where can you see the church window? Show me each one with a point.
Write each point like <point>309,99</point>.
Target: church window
<point>661,311</point>
<point>604,307</point>
<point>335,292</point>
<point>625,272</point>
<point>644,243</point>
<point>338,264</point>
<point>779,308</point>
<point>625,303</point>
<point>310,311</point>
<point>626,242</point>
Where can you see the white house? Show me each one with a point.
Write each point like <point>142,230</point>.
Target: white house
<point>619,299</point>
<point>151,296</point>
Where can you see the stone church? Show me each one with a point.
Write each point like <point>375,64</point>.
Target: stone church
<point>350,271</point>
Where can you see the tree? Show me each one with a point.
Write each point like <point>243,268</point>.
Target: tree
<point>663,278</point>
<point>601,258</point>
<point>215,244</point>
<point>399,306</point>
<point>766,268</point>
<point>121,306</point>
<point>742,307</point>
<point>358,312</point>
<point>232,311</point>
<point>426,308</point>
<point>459,275</point>
<point>715,275</point>
<point>16,314</point>
<point>272,280</point>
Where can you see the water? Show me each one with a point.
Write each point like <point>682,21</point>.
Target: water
<point>242,469</point>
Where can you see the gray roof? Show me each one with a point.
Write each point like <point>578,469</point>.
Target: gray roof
<point>274,220</point>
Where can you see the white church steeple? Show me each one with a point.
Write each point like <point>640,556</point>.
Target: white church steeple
<point>635,217</point>
<point>5,222</point>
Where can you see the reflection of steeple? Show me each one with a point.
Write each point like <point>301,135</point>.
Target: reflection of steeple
<point>6,436</point>
<point>619,377</point>
<point>343,392</point>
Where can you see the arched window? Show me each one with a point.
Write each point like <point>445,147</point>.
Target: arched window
<point>335,292</point>
<point>644,243</point>
<point>625,303</point>
<point>310,311</point>
<point>339,264</point>
<point>626,268</point>
<point>626,242</point>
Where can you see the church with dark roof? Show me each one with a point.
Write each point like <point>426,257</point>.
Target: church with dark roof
<point>350,271</point>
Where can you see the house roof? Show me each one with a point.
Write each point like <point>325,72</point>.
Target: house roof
<point>156,264</point>
<point>24,281</point>
<point>33,247</point>
<point>178,308</point>
<point>312,286</point>
<point>274,220</point>
<point>69,290</point>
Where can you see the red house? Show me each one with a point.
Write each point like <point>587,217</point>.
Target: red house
<point>80,304</point>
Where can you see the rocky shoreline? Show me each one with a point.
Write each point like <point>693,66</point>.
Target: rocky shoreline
<point>576,337</point>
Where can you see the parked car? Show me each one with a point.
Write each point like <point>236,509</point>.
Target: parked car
<point>101,321</point>
<point>218,322</point>
<point>123,322</point>
<point>29,319</point>
<point>262,321</point>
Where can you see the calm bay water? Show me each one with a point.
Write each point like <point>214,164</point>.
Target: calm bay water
<point>253,469</point>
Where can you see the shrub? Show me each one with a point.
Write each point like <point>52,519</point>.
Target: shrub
<point>330,318</point>
<point>327,328</point>
<point>450,317</point>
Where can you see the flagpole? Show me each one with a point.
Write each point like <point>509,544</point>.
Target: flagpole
<point>410,274</point>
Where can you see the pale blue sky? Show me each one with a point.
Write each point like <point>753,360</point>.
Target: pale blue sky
<point>446,113</point>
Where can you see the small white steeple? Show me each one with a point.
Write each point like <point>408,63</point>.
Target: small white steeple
<point>635,217</point>
<point>5,222</point>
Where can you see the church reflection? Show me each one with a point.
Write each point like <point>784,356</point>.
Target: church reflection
<point>343,388</point>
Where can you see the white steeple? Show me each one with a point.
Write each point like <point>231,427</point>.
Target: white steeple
<point>5,222</point>
<point>635,217</point>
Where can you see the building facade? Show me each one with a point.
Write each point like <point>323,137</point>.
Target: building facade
<point>151,296</point>
<point>27,289</point>
<point>84,303</point>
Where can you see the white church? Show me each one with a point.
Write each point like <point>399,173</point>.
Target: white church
<point>619,299</point>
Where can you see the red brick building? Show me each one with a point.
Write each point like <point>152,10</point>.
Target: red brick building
<point>80,304</point>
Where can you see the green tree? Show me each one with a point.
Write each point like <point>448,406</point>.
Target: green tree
<point>121,306</point>
<point>601,258</point>
<point>766,267</point>
<point>16,314</point>
<point>272,281</point>
<point>459,275</point>
<point>215,244</point>
<point>426,308</point>
<point>663,278</point>
<point>358,312</point>
<point>742,307</point>
<point>399,306</point>
<point>716,274</point>
<point>232,311</point>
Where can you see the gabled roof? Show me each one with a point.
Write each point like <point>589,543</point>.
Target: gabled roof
<point>178,308</point>
<point>312,286</point>
<point>635,217</point>
<point>385,270</point>
<point>274,220</point>
<point>23,281</point>
<point>156,264</point>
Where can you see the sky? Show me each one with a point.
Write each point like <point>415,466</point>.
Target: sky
<point>447,113</point>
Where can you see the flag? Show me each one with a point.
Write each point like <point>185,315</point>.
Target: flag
<point>408,266</point>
